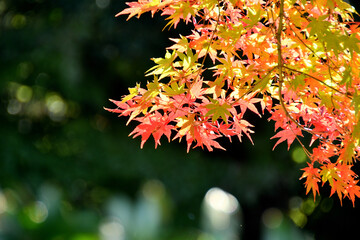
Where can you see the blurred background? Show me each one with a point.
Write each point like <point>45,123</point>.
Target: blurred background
<point>68,169</point>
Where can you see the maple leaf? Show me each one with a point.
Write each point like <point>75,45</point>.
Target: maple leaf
<point>120,107</point>
<point>203,133</point>
<point>181,44</point>
<point>217,110</point>
<point>347,153</point>
<point>242,126</point>
<point>289,134</point>
<point>174,89</point>
<point>352,191</point>
<point>227,130</point>
<point>196,90</point>
<point>337,186</point>
<point>142,6</point>
<point>155,125</point>
<point>184,10</point>
<point>204,137</point>
<point>330,174</point>
<point>349,185</point>
<point>249,104</point>
<point>312,176</point>
<point>133,92</point>
<point>164,67</point>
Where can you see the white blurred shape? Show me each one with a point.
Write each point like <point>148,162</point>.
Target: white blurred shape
<point>144,218</point>
<point>50,195</point>
<point>148,211</point>
<point>221,200</point>
<point>120,207</point>
<point>221,215</point>
<point>112,229</point>
<point>14,107</point>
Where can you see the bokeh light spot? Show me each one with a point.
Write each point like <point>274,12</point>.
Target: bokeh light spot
<point>24,94</point>
<point>272,218</point>
<point>298,217</point>
<point>221,201</point>
<point>220,209</point>
<point>298,155</point>
<point>112,229</point>
<point>37,212</point>
<point>3,203</point>
<point>12,198</point>
<point>2,6</point>
<point>18,21</point>
<point>14,107</point>
<point>56,107</point>
<point>308,206</point>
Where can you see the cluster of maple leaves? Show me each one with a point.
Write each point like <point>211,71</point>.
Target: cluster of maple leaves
<point>297,59</point>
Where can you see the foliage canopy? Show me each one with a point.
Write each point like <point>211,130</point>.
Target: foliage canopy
<point>297,59</point>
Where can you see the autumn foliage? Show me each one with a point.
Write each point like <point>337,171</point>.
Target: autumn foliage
<point>299,60</point>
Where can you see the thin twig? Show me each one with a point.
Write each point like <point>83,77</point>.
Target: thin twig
<point>281,66</point>
<point>319,80</point>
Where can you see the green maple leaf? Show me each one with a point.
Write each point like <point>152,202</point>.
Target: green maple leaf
<point>261,83</point>
<point>298,81</point>
<point>356,132</point>
<point>164,66</point>
<point>351,42</point>
<point>174,89</point>
<point>318,26</point>
<point>334,41</point>
<point>188,60</point>
<point>218,110</point>
<point>132,93</point>
<point>153,89</point>
<point>356,103</point>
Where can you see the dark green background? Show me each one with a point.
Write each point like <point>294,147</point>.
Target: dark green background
<point>60,62</point>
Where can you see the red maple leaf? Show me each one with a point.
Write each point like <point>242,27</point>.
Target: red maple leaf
<point>289,134</point>
<point>155,125</point>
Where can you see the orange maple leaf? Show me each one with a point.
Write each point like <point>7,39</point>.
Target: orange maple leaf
<point>312,176</point>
